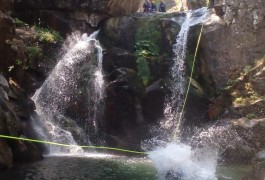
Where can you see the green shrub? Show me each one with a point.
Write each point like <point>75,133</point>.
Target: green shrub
<point>19,63</point>
<point>146,48</point>
<point>34,53</point>
<point>147,41</point>
<point>251,116</point>
<point>19,23</point>
<point>48,35</point>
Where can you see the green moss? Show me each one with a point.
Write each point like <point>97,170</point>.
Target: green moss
<point>189,61</point>
<point>34,53</point>
<point>47,35</point>
<point>146,48</point>
<point>247,69</point>
<point>21,64</point>
<point>147,41</point>
<point>19,23</point>
<point>251,116</point>
<point>148,38</point>
<point>143,70</point>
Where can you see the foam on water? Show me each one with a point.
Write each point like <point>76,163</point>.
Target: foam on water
<point>180,161</point>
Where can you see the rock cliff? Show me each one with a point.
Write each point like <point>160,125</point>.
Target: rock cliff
<point>137,57</point>
<point>68,16</point>
<point>235,41</point>
<point>15,111</point>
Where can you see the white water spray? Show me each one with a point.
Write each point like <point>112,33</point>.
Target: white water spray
<point>60,89</point>
<point>179,161</point>
<point>176,160</point>
<point>175,102</point>
<point>178,80</point>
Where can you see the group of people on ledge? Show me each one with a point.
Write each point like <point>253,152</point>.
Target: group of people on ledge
<point>150,6</point>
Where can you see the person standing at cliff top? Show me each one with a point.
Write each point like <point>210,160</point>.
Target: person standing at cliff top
<point>147,6</point>
<point>162,6</point>
<point>153,6</point>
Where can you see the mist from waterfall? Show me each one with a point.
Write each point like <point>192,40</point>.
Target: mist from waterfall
<point>61,93</point>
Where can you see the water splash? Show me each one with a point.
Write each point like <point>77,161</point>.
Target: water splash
<point>61,91</point>
<point>179,161</point>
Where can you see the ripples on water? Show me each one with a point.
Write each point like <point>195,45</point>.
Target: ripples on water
<point>100,167</point>
<point>88,167</point>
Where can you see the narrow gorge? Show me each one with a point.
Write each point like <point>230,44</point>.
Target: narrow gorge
<point>115,93</point>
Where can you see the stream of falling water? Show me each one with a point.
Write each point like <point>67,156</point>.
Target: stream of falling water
<point>178,79</point>
<point>60,89</point>
<point>175,102</point>
<point>175,160</point>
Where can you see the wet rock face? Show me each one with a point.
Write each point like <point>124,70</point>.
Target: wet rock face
<point>15,110</point>
<point>242,140</point>
<point>130,103</point>
<point>6,5</point>
<point>71,15</point>
<point>258,172</point>
<point>235,41</point>
<point>7,30</point>
<point>6,156</point>
<point>121,108</point>
<point>112,7</point>
<point>198,4</point>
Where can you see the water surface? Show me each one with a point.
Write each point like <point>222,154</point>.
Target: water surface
<point>90,167</point>
<point>101,167</point>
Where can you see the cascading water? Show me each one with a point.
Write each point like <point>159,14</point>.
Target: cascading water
<point>175,102</point>
<point>61,92</point>
<point>178,80</point>
<point>177,160</point>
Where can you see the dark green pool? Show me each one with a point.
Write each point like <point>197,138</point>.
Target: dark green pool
<point>99,167</point>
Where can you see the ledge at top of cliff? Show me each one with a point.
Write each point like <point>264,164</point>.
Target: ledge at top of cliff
<point>111,7</point>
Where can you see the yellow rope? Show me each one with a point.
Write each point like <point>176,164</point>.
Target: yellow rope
<point>67,145</point>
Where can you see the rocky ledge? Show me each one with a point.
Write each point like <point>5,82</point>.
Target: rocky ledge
<point>15,111</point>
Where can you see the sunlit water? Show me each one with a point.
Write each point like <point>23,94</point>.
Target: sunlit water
<point>90,167</point>
<point>179,161</point>
<point>178,75</point>
<point>60,91</point>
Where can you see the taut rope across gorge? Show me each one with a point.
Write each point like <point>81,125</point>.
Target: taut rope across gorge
<point>68,145</point>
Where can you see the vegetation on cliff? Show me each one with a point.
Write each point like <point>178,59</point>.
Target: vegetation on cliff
<point>147,40</point>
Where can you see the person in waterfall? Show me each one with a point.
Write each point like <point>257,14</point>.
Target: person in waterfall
<point>147,6</point>
<point>162,6</point>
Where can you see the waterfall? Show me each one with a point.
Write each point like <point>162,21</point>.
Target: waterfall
<point>178,80</point>
<point>62,93</point>
<point>175,102</point>
<point>175,160</point>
